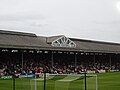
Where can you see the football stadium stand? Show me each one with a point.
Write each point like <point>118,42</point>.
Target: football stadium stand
<point>26,53</point>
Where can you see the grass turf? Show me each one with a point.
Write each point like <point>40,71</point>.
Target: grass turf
<point>106,81</point>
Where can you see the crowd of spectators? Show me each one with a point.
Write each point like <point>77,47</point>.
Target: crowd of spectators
<point>39,67</point>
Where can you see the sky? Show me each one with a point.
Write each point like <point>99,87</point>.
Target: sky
<point>85,19</point>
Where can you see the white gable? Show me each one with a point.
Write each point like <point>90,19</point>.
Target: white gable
<point>63,42</point>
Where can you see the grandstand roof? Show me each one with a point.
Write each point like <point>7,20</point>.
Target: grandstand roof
<point>20,40</point>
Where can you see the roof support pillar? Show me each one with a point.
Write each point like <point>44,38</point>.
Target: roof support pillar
<point>110,60</point>
<point>22,63</point>
<point>75,59</point>
<point>94,58</point>
<point>52,60</point>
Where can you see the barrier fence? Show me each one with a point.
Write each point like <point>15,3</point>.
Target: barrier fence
<point>47,81</point>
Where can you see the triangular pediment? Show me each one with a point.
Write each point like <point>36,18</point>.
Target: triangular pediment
<point>63,42</point>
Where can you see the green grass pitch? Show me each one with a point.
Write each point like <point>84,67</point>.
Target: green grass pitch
<point>106,81</point>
